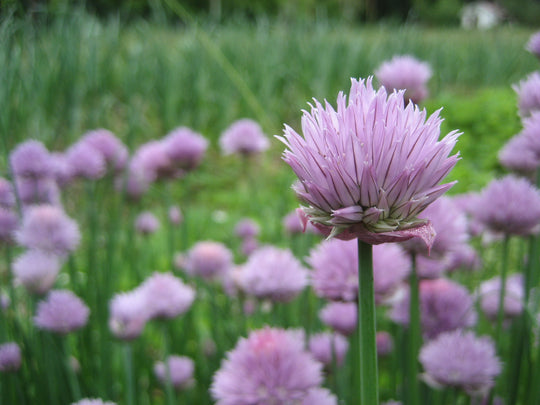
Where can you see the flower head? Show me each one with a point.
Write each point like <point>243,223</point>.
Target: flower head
<point>185,148</point>
<point>325,347</point>
<point>273,273</point>
<point>528,92</point>
<point>270,366</point>
<point>533,46</point>
<point>10,357</point>
<point>489,292</point>
<point>244,137</point>
<point>8,225</point>
<point>368,169</point>
<point>111,148</point>
<point>319,396</point>
<point>522,152</point>
<point>407,73</point>
<point>36,270</point>
<point>7,194</point>
<point>180,371</point>
<point>166,296</point>
<point>128,314</point>
<point>340,316</point>
<point>86,161</point>
<point>37,190</point>
<point>461,360</point>
<point>246,228</point>
<point>175,215</point>
<point>31,159</point>
<point>61,312</point>
<point>208,259</point>
<point>146,223</point>
<point>385,343</point>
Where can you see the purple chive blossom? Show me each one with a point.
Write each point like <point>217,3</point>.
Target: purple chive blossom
<point>246,228</point>
<point>61,312</point>
<point>185,148</point>
<point>273,273</point>
<point>166,296</point>
<point>146,223</point>
<point>37,190</point>
<point>292,223</point>
<point>385,343</point>
<point>270,366</point>
<point>319,396</point>
<point>180,370</point>
<point>7,195</point>
<point>8,225</point>
<point>391,266</point>
<point>249,245</point>
<point>244,137</point>
<point>528,92</point>
<point>340,316</point>
<point>175,215</point>
<point>62,170</point>
<point>489,294</point>
<point>36,270</point>
<point>31,159</point>
<point>522,152</point>
<point>128,314</point>
<point>460,360</point>
<point>208,259</point>
<point>444,306</point>
<point>533,46</point>
<point>92,401</point>
<point>407,73</point>
<point>111,148</point>
<point>48,228</point>
<point>151,162</point>
<point>368,169</point>
<point>137,180</point>
<point>86,161</point>
<point>462,257</point>
<point>510,206</point>
<point>10,357</point>
<point>325,347</point>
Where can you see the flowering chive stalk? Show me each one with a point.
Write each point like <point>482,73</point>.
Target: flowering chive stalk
<point>366,170</point>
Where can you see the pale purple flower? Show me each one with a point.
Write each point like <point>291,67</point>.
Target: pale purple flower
<point>37,190</point>
<point>270,366</point>
<point>128,314</point>
<point>461,360</point>
<point>444,306</point>
<point>166,296</point>
<point>10,357</point>
<point>8,225</point>
<point>208,259</point>
<point>489,294</point>
<point>522,152</point>
<point>340,316</point>
<point>180,370</point>
<point>150,162</point>
<point>92,401</point>
<point>385,343</point>
<point>407,73</point>
<point>391,266</point>
<point>273,273</point>
<point>528,92</point>
<point>185,148</point>
<point>61,312</point>
<point>246,228</point>
<point>137,180</point>
<point>533,46</point>
<point>319,396</point>
<point>111,148</point>
<point>292,223</point>
<point>86,161</point>
<point>7,194</point>
<point>36,270</point>
<point>62,170</point>
<point>146,223</point>
<point>175,215</point>
<point>370,167</point>
<point>244,137</point>
<point>510,206</point>
<point>328,347</point>
<point>48,228</point>
<point>249,245</point>
<point>30,159</point>
<point>462,256</point>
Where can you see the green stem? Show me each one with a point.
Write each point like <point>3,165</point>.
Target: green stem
<point>369,385</point>
<point>128,365</point>
<point>72,378</point>
<point>502,291</point>
<point>166,353</point>
<point>414,336</point>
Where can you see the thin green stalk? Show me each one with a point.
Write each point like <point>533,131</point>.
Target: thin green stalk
<point>128,366</point>
<point>72,378</point>
<point>369,385</point>
<point>414,340</point>
<point>171,400</point>
<point>502,291</point>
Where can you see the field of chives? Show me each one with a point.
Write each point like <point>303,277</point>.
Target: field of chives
<point>67,75</point>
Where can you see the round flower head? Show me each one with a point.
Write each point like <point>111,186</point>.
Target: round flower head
<point>62,170</point>
<point>270,366</point>
<point>249,245</point>
<point>128,314</point>
<point>30,159</point>
<point>180,371</point>
<point>8,225</point>
<point>528,92</point>
<point>175,215</point>
<point>10,357</point>
<point>319,396</point>
<point>461,360</point>
<point>246,228</point>
<point>111,148</point>
<point>7,195</point>
<point>92,401</point>
<point>61,312</point>
<point>292,223</point>
<point>385,343</point>
<point>41,190</point>
<point>150,162</point>
<point>340,316</point>
<point>370,167</point>
<point>146,223</point>
<point>166,296</point>
<point>185,148</point>
<point>86,161</point>
<point>510,206</point>
<point>391,266</point>
<point>533,46</point>
<point>325,347</point>
<point>273,273</point>
<point>513,299</point>
<point>444,306</point>
<point>522,152</point>
<point>48,228</point>
<point>36,270</point>
<point>208,260</point>
<point>407,73</point>
<point>244,137</point>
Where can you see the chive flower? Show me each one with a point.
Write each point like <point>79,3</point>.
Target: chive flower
<point>10,357</point>
<point>180,370</point>
<point>244,137</point>
<point>61,312</point>
<point>533,45</point>
<point>528,92</point>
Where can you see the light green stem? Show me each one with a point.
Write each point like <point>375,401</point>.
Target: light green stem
<point>502,291</point>
<point>128,365</point>
<point>414,336</point>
